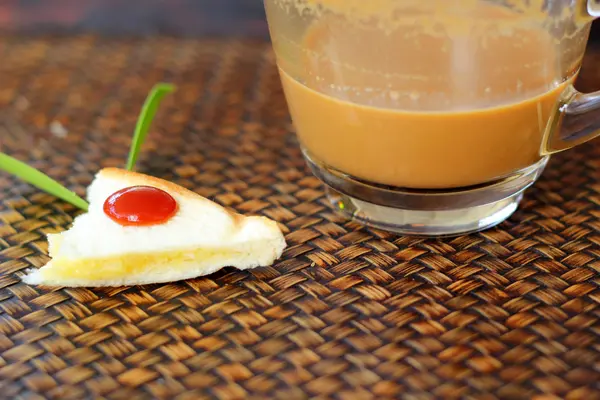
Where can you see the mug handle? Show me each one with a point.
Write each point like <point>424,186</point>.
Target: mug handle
<point>593,8</point>
<point>577,118</point>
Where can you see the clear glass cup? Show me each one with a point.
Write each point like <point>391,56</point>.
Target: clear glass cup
<point>431,117</point>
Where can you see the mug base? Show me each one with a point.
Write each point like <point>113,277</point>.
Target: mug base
<point>424,223</point>
<point>431,213</point>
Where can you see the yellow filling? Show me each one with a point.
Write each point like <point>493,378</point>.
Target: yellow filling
<point>98,269</point>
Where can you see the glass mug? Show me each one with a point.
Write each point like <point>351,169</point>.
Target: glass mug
<point>431,117</point>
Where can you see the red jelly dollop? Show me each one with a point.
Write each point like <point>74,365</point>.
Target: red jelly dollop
<point>140,206</point>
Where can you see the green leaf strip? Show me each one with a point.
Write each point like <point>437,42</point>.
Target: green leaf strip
<point>145,120</point>
<point>40,180</point>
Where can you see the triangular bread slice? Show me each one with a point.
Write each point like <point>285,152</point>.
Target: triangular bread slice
<point>200,239</point>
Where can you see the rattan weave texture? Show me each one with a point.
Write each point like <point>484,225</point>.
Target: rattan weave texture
<point>348,313</point>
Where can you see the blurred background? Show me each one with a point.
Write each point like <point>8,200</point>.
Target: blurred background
<point>142,17</point>
<point>135,17</point>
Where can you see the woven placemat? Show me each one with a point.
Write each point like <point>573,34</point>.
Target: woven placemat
<point>348,313</point>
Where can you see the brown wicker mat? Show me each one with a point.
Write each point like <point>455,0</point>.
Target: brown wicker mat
<point>348,313</point>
